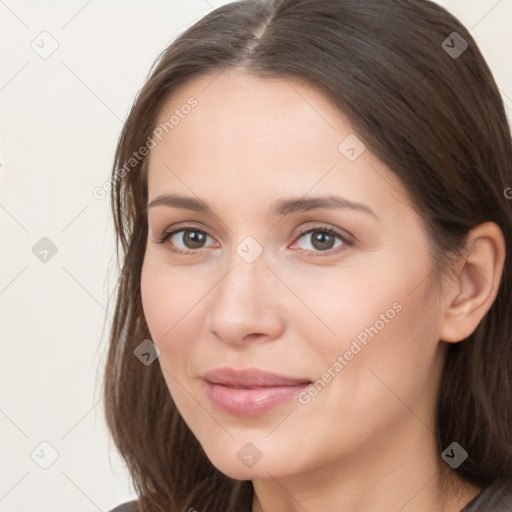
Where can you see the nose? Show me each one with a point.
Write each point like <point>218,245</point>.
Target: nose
<point>245,304</point>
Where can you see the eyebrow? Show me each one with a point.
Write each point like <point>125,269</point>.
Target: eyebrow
<point>281,207</point>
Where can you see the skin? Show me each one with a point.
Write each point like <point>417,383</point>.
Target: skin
<point>366,441</point>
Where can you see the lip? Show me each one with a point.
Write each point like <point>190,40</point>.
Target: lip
<point>250,392</point>
<point>250,378</point>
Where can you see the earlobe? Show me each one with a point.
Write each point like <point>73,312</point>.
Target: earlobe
<point>475,284</point>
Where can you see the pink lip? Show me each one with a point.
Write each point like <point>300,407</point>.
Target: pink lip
<point>250,392</point>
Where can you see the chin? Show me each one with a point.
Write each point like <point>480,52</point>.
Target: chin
<point>237,463</point>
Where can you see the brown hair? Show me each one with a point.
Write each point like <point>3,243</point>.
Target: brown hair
<point>435,118</point>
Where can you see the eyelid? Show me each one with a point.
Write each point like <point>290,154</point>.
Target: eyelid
<point>176,228</point>
<point>345,237</point>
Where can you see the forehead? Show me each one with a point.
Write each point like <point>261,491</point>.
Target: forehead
<point>235,107</point>
<point>246,134</point>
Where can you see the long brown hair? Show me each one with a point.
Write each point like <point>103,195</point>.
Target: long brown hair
<point>426,104</point>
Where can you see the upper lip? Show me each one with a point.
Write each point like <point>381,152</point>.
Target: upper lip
<point>250,378</point>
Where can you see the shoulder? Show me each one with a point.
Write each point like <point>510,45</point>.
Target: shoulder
<point>130,506</point>
<point>497,497</point>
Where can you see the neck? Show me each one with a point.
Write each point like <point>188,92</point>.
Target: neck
<point>404,472</point>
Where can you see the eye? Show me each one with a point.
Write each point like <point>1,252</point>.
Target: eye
<point>189,237</point>
<point>324,240</point>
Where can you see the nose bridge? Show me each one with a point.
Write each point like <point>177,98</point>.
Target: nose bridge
<point>248,274</point>
<point>243,300</point>
<point>243,288</point>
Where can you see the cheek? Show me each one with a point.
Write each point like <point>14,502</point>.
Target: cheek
<point>381,316</point>
<point>174,301</point>
<point>387,340</point>
<point>155,300</point>
<point>168,296</point>
<point>168,304</point>
<point>343,306</point>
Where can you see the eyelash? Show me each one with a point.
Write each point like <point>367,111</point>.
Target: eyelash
<point>321,228</point>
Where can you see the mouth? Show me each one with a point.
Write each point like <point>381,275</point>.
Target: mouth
<point>250,392</point>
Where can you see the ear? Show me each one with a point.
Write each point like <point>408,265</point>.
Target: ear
<point>475,284</point>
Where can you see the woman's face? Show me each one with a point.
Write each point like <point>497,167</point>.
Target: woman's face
<point>260,285</point>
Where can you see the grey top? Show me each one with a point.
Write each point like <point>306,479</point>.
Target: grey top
<point>494,498</point>
<point>130,506</point>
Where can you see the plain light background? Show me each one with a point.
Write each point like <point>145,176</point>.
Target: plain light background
<point>60,118</point>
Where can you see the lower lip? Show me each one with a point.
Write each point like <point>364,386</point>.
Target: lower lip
<point>250,402</point>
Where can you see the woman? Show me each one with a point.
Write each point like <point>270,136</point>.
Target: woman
<point>313,312</point>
